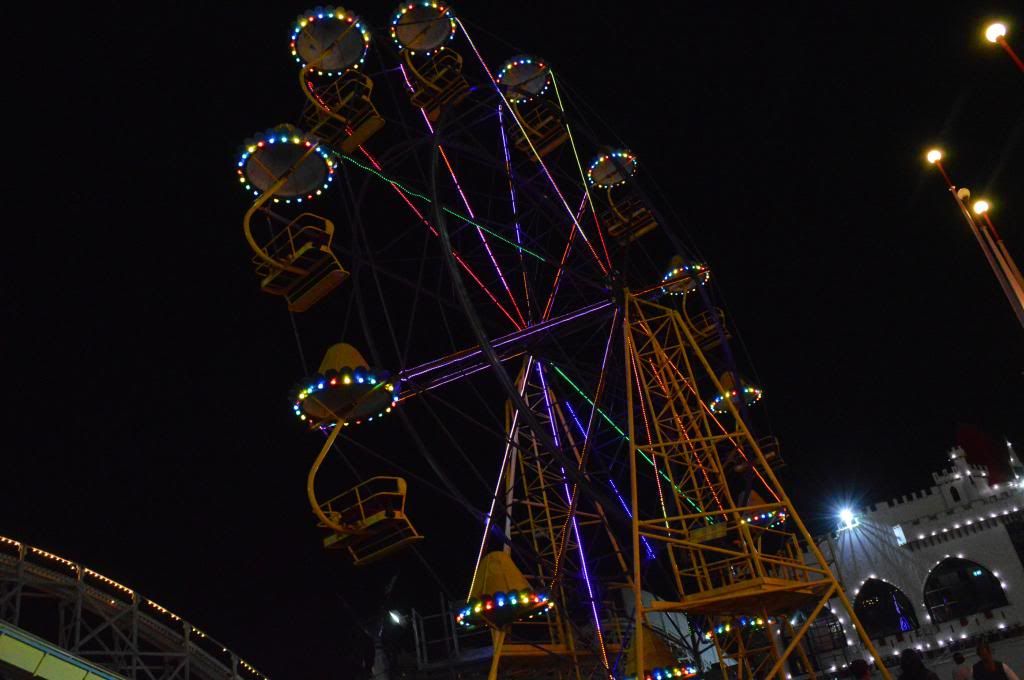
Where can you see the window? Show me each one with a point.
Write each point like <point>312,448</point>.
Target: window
<point>955,494</point>
<point>884,610</point>
<point>901,538</point>
<point>957,588</point>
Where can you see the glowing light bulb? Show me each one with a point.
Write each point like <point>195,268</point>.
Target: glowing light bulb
<point>995,31</point>
<point>980,207</point>
<point>934,156</point>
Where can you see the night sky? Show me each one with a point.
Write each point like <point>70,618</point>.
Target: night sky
<point>149,436</point>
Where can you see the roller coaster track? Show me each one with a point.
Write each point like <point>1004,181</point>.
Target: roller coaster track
<point>106,623</point>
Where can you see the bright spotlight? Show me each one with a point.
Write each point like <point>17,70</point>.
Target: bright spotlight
<point>395,617</point>
<point>995,31</point>
<point>847,520</point>
<point>980,207</point>
<point>934,156</point>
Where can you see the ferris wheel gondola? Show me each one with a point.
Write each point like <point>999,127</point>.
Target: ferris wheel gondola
<point>330,45</point>
<point>627,216</point>
<point>735,390</point>
<point>287,166</point>
<point>368,520</point>
<point>433,71</point>
<point>525,81</point>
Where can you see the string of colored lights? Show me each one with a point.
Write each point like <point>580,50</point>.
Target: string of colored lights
<point>497,487</point>
<point>615,488</point>
<point>339,14</point>
<point>430,227</point>
<point>130,595</point>
<point>579,166</point>
<point>622,433</point>
<point>515,207</point>
<point>540,161</point>
<point>570,498</point>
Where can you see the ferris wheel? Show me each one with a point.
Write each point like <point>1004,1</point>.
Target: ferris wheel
<point>499,279</point>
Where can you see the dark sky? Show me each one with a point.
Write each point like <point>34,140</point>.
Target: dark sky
<point>148,434</point>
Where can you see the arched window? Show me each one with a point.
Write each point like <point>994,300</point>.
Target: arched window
<point>955,494</point>
<point>957,588</point>
<point>883,609</point>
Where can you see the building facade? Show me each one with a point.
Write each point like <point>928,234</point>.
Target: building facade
<point>936,568</point>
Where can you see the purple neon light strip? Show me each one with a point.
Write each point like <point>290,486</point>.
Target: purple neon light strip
<point>469,209</point>
<point>437,364</point>
<point>615,488</point>
<point>540,161</point>
<point>575,525</point>
<point>444,380</point>
<point>497,487</point>
<point>512,195</point>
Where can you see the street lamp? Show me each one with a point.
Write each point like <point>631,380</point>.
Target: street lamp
<point>992,246</point>
<point>996,33</point>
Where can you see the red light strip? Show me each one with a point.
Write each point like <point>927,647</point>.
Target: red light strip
<point>561,266</point>
<point>647,427</point>
<point>483,238</point>
<point>458,258</point>
<point>682,428</point>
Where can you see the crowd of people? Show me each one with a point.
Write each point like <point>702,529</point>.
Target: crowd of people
<point>912,667</point>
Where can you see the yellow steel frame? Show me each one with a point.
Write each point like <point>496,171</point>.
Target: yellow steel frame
<point>538,515</point>
<point>723,566</point>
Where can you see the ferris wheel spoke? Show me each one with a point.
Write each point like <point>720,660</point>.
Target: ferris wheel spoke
<point>540,161</point>
<point>417,290</point>
<point>579,166</point>
<point>462,263</point>
<point>512,200</point>
<point>469,209</point>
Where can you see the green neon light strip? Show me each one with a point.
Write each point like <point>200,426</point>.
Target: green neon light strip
<point>624,436</point>
<point>426,199</point>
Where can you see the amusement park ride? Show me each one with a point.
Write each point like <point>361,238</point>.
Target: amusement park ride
<point>626,462</point>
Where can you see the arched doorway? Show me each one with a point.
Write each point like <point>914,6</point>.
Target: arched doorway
<point>956,588</point>
<point>884,610</point>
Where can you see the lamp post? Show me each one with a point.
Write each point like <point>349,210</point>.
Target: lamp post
<point>996,33</point>
<point>981,208</point>
<point>998,257</point>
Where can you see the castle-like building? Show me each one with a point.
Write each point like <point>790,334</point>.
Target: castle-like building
<point>935,568</point>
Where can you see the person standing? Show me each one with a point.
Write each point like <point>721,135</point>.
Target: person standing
<point>860,670</point>
<point>990,669</point>
<point>912,668</point>
<point>961,670</point>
